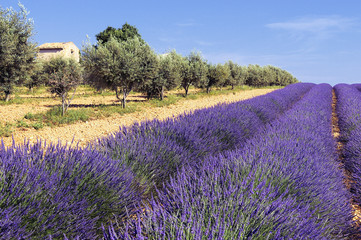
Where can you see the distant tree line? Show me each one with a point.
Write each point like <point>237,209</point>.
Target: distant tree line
<point>120,61</point>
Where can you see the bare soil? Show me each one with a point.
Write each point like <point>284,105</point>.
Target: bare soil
<point>85,132</point>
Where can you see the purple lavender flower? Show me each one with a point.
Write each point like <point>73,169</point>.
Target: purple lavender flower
<point>56,190</point>
<point>155,150</point>
<point>284,183</point>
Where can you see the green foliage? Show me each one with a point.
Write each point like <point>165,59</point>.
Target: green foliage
<point>36,77</point>
<point>37,125</point>
<point>169,100</point>
<point>17,52</point>
<point>5,129</point>
<point>54,117</point>
<point>150,66</point>
<point>217,76</point>
<point>110,110</point>
<point>123,62</point>
<point>119,65</point>
<point>15,100</point>
<point>63,75</point>
<point>194,70</point>
<point>236,76</point>
<point>268,76</point>
<point>167,77</point>
<point>121,34</point>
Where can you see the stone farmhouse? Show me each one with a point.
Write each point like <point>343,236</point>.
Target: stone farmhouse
<point>65,49</point>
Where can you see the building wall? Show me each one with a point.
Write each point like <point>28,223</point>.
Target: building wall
<point>71,51</point>
<point>48,51</point>
<point>47,54</point>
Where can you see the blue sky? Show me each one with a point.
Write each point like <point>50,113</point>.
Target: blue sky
<point>317,41</point>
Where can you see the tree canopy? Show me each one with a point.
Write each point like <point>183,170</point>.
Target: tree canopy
<point>121,34</point>
<point>119,65</point>
<point>194,70</point>
<point>167,77</point>
<point>17,52</point>
<point>63,75</point>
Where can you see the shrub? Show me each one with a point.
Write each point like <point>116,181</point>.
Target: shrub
<point>284,184</point>
<point>56,190</point>
<point>155,150</point>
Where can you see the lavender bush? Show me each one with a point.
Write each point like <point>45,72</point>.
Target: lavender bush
<point>349,114</point>
<point>154,150</point>
<point>285,183</point>
<point>55,190</point>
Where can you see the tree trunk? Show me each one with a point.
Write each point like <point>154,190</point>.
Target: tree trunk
<point>232,86</point>
<point>162,93</point>
<point>7,96</point>
<point>117,93</point>
<point>186,89</point>
<point>69,101</point>
<point>124,101</point>
<point>208,90</point>
<point>63,104</point>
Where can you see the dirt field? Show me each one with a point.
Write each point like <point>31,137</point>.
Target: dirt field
<point>85,132</point>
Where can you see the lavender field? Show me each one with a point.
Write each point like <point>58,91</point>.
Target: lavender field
<point>264,168</point>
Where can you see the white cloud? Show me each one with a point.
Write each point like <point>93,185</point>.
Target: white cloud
<point>314,25</point>
<point>309,33</point>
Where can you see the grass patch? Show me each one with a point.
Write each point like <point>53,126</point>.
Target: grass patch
<point>109,110</point>
<point>15,100</point>
<point>168,100</point>
<point>22,124</point>
<point>53,117</point>
<point>6,129</point>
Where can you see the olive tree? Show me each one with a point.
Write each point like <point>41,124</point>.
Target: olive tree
<point>216,76</point>
<point>117,65</point>
<point>36,76</point>
<point>167,77</point>
<point>210,80</point>
<point>17,52</point>
<point>149,66</point>
<point>222,74</point>
<point>121,34</point>
<point>63,75</point>
<point>254,76</point>
<point>279,76</point>
<point>235,74</point>
<point>194,70</point>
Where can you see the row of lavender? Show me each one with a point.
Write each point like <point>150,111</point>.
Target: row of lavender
<point>285,183</point>
<point>155,150</point>
<point>55,190</point>
<point>349,114</point>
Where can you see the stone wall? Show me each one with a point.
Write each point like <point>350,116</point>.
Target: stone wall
<point>50,50</point>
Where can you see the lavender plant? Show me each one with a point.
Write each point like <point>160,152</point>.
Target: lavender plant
<point>285,183</point>
<point>349,114</point>
<point>55,190</point>
<point>154,150</point>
